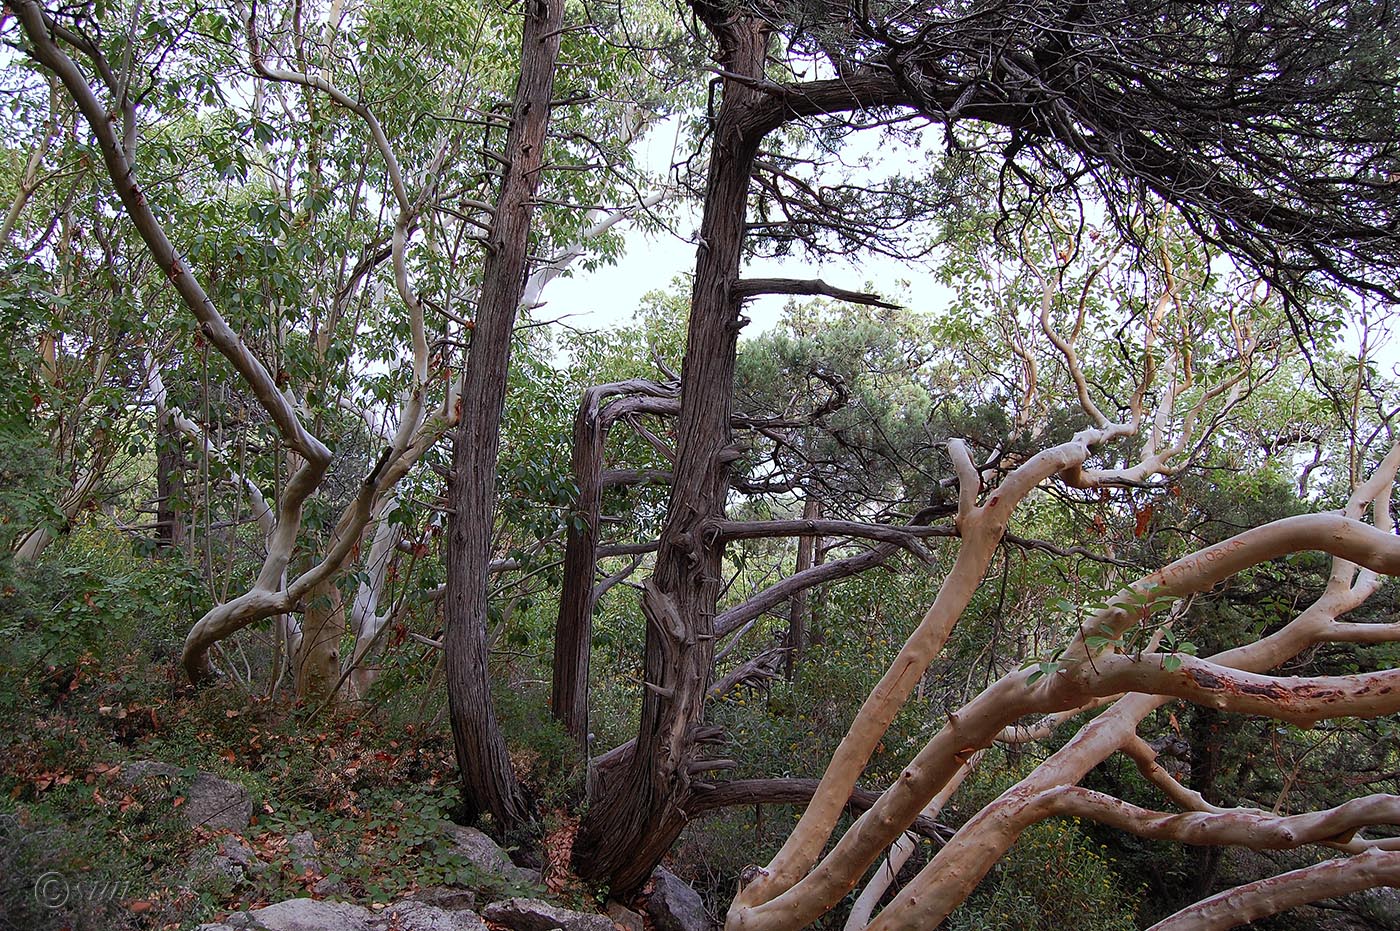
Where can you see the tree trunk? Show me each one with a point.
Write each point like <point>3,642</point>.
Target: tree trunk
<point>1203,862</point>
<point>797,608</point>
<point>316,663</point>
<point>170,487</point>
<point>573,631</point>
<point>488,783</point>
<point>636,815</point>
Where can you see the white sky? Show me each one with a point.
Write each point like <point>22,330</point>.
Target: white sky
<point>609,296</point>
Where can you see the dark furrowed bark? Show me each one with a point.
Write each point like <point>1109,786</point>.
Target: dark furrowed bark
<point>488,782</point>
<point>793,792</point>
<point>573,630</point>
<point>634,817</point>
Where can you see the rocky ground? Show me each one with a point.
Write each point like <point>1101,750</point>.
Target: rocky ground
<point>211,803</point>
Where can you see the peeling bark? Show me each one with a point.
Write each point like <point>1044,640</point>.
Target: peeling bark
<point>317,658</point>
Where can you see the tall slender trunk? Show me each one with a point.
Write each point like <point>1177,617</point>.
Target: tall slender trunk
<point>796,640</point>
<point>573,629</point>
<point>636,813</point>
<point>488,783</point>
<point>1207,732</point>
<point>170,487</point>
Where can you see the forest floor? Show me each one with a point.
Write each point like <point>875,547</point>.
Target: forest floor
<point>86,848</point>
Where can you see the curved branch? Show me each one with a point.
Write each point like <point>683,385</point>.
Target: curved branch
<point>776,594</point>
<point>746,288</point>
<point>790,792</point>
<point>1301,700</point>
<point>1241,827</point>
<point>1243,904</point>
<point>889,533</point>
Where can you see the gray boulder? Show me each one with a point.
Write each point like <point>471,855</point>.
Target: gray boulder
<point>486,855</point>
<point>311,915</point>
<point>418,916</point>
<point>210,802</point>
<point>218,804</point>
<point>301,850</point>
<point>674,906</point>
<point>624,918</point>
<point>236,859</point>
<point>536,915</point>
<point>451,898</point>
<point>304,915</point>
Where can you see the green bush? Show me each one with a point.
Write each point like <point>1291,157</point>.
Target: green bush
<point>1054,878</point>
<point>91,595</point>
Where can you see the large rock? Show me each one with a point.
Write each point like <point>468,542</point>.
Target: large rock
<point>210,802</point>
<point>484,854</point>
<point>448,897</point>
<point>537,915</point>
<point>311,915</point>
<point>418,916</point>
<point>674,906</point>
<point>218,804</point>
<point>624,918</point>
<point>304,915</point>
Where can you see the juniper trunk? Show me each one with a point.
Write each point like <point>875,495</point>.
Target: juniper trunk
<point>638,806</point>
<point>488,782</point>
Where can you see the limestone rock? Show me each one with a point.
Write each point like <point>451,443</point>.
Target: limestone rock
<point>312,915</point>
<point>624,918</point>
<point>449,897</point>
<point>301,850</point>
<point>674,906</point>
<point>305,915</point>
<point>218,804</point>
<point>236,860</point>
<point>536,915</point>
<point>241,853</point>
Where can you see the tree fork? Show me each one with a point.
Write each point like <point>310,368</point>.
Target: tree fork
<point>573,630</point>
